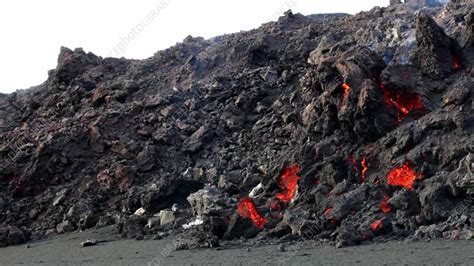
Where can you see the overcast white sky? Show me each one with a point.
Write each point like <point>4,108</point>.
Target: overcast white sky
<point>32,31</point>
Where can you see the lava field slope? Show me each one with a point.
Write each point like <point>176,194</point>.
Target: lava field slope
<point>340,128</point>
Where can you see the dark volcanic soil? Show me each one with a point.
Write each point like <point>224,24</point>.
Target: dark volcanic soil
<point>335,128</point>
<point>66,250</point>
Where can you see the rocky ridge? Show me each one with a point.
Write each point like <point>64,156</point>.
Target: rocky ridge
<point>339,129</point>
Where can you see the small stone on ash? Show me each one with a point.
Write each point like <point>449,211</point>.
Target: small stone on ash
<point>281,248</point>
<point>181,246</point>
<point>89,243</point>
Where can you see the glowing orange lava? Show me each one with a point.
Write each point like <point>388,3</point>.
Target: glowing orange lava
<point>363,163</point>
<point>384,207</point>
<point>402,176</point>
<point>288,182</point>
<point>346,88</point>
<point>405,102</point>
<point>364,168</point>
<point>377,225</point>
<point>247,209</point>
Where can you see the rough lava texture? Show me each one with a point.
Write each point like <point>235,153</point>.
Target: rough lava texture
<point>171,144</point>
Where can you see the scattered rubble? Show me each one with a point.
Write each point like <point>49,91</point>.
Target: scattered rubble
<point>89,243</point>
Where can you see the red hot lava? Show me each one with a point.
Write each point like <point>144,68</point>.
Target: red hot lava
<point>377,225</point>
<point>405,102</point>
<point>346,88</point>
<point>364,168</point>
<point>288,182</point>
<point>384,207</point>
<point>363,164</point>
<point>402,176</point>
<point>247,209</point>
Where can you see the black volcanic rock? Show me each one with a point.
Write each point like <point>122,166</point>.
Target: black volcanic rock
<point>435,51</point>
<point>352,100</point>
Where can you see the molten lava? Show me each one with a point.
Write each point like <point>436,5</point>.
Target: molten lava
<point>402,176</point>
<point>288,182</point>
<point>405,102</point>
<point>247,209</point>
<point>384,207</point>
<point>363,163</point>
<point>346,88</point>
<point>377,225</point>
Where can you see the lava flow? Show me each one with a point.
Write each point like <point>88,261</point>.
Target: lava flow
<point>288,182</point>
<point>384,207</point>
<point>363,164</point>
<point>346,88</point>
<point>405,102</point>
<point>377,225</point>
<point>247,209</point>
<point>364,168</point>
<point>402,176</point>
